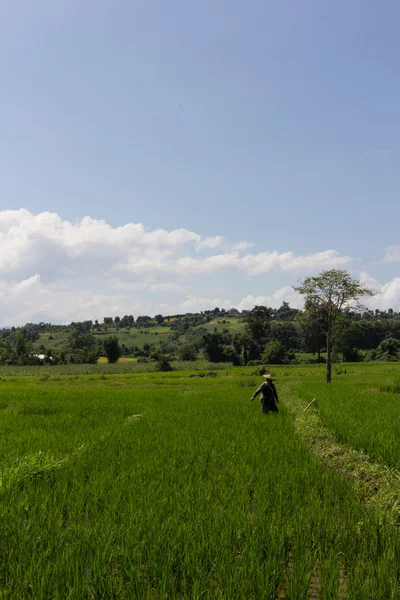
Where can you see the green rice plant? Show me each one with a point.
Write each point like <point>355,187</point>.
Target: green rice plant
<point>392,388</point>
<point>201,496</point>
<point>360,413</point>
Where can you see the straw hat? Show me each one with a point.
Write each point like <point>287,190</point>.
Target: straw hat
<point>269,377</point>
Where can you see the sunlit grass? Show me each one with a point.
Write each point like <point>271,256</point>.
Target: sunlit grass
<point>360,414</point>
<point>171,486</point>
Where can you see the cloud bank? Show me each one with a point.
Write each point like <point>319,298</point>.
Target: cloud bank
<point>55,270</point>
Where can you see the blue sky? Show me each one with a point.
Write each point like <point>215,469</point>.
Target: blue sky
<point>275,123</point>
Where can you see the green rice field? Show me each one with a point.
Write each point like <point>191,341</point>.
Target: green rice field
<point>155,486</point>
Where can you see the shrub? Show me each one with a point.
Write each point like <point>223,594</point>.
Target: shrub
<point>45,376</point>
<point>340,371</point>
<point>163,363</point>
<point>187,352</point>
<point>112,349</point>
<point>393,388</point>
<point>260,371</point>
<point>389,349</point>
<point>274,353</point>
<point>352,355</point>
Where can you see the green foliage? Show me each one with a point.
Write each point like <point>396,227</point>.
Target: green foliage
<point>389,349</point>
<point>360,415</point>
<point>356,335</point>
<point>44,376</point>
<point>21,347</point>
<point>213,346</point>
<point>285,313</point>
<point>311,330</point>
<point>163,362</point>
<point>287,333</point>
<point>112,349</point>
<point>163,356</point>
<point>254,363</point>
<point>276,353</point>
<point>327,297</point>
<point>83,347</point>
<point>187,352</point>
<point>257,324</point>
<point>331,293</point>
<point>171,486</point>
<point>392,388</point>
<point>17,351</point>
<point>262,370</point>
<point>216,348</point>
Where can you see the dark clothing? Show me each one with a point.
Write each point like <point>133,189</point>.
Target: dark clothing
<point>270,407</point>
<point>269,397</point>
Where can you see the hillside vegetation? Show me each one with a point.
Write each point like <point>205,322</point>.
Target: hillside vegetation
<point>260,336</point>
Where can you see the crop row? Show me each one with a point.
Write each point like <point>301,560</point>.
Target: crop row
<point>175,491</point>
<point>360,414</point>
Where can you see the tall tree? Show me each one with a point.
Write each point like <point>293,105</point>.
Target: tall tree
<point>285,313</point>
<point>257,324</point>
<point>112,349</point>
<point>286,332</point>
<point>327,296</point>
<point>312,338</point>
<point>213,346</point>
<point>21,346</point>
<point>159,319</point>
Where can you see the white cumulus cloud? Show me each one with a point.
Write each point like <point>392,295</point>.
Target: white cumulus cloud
<point>198,304</point>
<point>274,300</point>
<point>53,269</point>
<point>210,242</point>
<point>387,295</point>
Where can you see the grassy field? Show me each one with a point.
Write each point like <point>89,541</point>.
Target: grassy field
<point>129,337</point>
<point>363,410</point>
<point>233,325</point>
<point>174,485</point>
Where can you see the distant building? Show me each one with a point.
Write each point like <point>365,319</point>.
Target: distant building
<point>43,357</point>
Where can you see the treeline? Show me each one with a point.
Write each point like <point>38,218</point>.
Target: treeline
<point>274,337</point>
<point>265,335</point>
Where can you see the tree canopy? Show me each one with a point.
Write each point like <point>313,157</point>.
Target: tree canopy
<point>327,296</point>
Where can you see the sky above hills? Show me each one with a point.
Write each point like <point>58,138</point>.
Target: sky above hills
<point>177,156</point>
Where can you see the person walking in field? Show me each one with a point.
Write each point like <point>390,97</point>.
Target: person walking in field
<point>269,396</point>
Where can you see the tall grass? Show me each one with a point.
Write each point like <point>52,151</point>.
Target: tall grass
<point>103,368</point>
<point>360,414</point>
<point>181,489</point>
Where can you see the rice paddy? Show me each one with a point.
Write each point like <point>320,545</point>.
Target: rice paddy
<point>173,485</point>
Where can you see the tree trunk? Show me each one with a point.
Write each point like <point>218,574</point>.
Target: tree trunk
<point>328,360</point>
<point>319,354</point>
